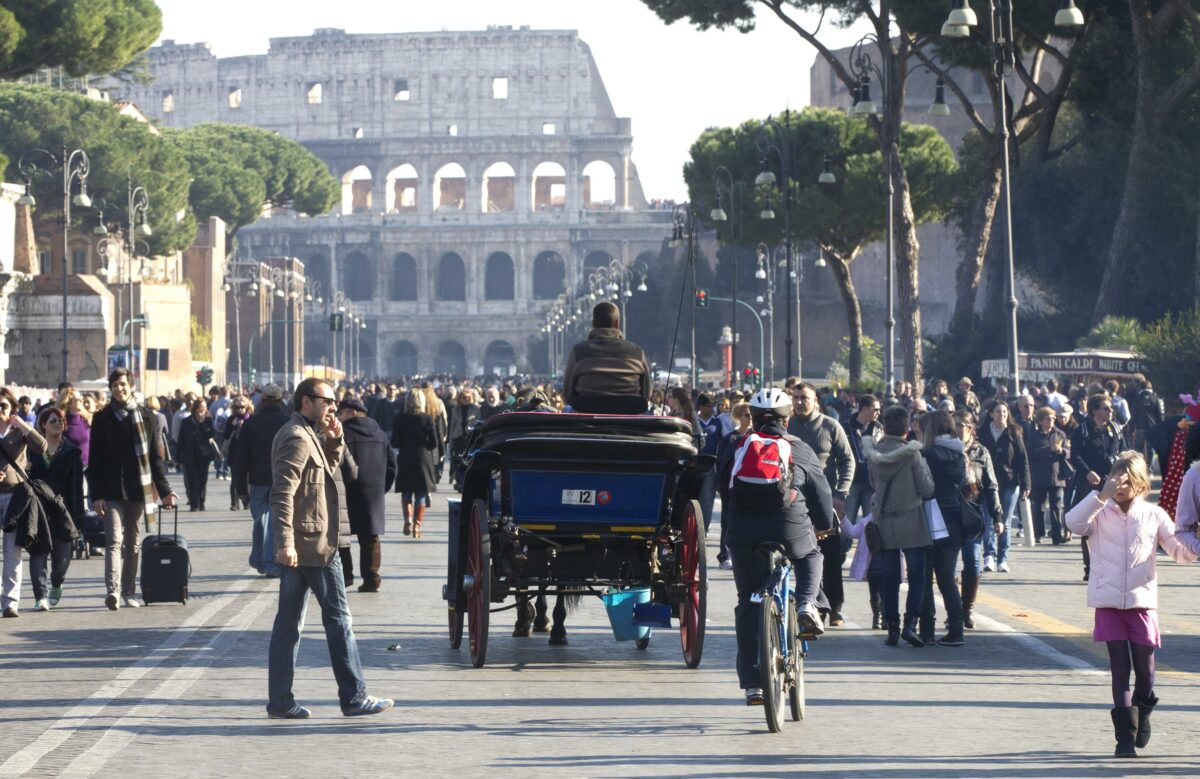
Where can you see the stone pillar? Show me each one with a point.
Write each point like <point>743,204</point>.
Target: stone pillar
<point>574,183</point>
<point>623,177</point>
<point>523,190</point>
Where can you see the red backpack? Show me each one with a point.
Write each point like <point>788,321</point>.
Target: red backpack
<point>761,476</point>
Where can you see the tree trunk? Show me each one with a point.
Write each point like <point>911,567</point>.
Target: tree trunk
<point>977,238</point>
<point>840,265</point>
<point>908,294</point>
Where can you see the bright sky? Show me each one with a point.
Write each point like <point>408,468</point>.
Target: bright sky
<point>672,81</point>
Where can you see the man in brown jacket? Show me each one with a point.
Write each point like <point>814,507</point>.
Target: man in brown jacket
<point>306,453</point>
<point>607,374</point>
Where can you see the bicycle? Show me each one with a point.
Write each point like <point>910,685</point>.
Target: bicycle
<point>781,647</point>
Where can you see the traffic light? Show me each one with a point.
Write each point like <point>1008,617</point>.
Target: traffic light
<point>204,376</point>
<point>752,376</point>
<point>336,323</point>
<point>701,298</point>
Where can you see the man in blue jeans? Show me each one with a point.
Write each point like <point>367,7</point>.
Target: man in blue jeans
<point>304,510</point>
<point>251,459</point>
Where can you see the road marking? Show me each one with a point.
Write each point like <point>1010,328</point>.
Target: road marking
<point>1038,619</point>
<point>50,739</point>
<point>1039,647</point>
<point>123,731</point>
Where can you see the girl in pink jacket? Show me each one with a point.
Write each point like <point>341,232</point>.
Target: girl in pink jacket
<point>1124,531</point>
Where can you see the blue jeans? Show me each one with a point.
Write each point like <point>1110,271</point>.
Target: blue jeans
<point>53,565</point>
<point>262,534</point>
<point>330,590</point>
<point>970,557</point>
<point>858,501</point>
<point>708,495</point>
<point>914,558</point>
<point>998,547</point>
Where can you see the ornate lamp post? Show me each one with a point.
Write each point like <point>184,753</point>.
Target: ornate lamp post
<point>236,274</point>
<point>683,227</point>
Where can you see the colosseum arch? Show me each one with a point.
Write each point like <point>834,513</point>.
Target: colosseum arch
<point>358,276</point>
<point>499,282</point>
<point>403,280</point>
<point>402,359</point>
<point>549,276</point>
<point>596,259</point>
<point>451,278</point>
<point>498,358</point>
<point>402,189</point>
<point>316,267</point>
<point>450,187</point>
<point>499,188</point>
<point>451,358</point>
<point>356,190</point>
<point>549,187</point>
<point>599,185</point>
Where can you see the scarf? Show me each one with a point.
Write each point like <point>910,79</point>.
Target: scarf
<point>141,447</point>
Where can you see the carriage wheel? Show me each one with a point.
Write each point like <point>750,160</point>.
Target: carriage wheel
<point>479,568</point>
<point>456,627</point>
<point>693,573</point>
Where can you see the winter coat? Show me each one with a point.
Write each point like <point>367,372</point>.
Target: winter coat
<point>1093,449</point>
<point>902,477</point>
<point>385,412</point>
<point>1187,509</point>
<point>855,433</point>
<point>194,436</point>
<point>64,473</point>
<point>343,479</point>
<point>112,471</point>
<point>984,477</point>
<point>1008,456</point>
<point>827,438</point>
<point>606,364</point>
<point>794,526</point>
<point>304,495</point>
<point>947,463</point>
<point>415,441</point>
<point>1123,550</point>
<point>462,419</point>
<point>1048,468</point>
<point>252,454</point>
<point>376,473</point>
<point>79,432</point>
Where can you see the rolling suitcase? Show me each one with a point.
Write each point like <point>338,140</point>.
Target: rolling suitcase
<point>166,567</point>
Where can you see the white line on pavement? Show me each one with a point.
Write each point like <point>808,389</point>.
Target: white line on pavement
<point>24,760</point>
<point>124,730</point>
<point>1040,647</point>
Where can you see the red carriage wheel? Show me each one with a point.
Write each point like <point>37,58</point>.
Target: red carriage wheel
<point>693,574</point>
<point>479,582</point>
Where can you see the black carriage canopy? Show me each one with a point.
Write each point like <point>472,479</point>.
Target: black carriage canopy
<point>504,428</point>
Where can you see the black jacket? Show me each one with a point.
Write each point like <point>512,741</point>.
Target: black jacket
<point>794,526</point>
<point>194,436</point>
<point>1093,449</point>
<point>948,466</point>
<point>1048,468</point>
<point>415,441</point>
<point>64,474</point>
<point>985,477</point>
<point>1008,456</point>
<point>113,472</point>
<point>252,454</point>
<point>385,412</point>
<point>376,473</point>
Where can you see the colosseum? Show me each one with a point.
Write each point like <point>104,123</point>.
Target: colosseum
<point>482,174</point>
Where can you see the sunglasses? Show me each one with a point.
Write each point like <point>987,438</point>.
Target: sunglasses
<point>55,419</point>
<point>322,398</point>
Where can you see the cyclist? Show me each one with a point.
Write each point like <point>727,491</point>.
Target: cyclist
<point>805,504</point>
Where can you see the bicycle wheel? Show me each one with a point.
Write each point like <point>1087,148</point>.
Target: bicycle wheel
<point>796,664</point>
<point>770,665</point>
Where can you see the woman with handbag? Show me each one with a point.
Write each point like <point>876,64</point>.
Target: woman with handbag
<point>945,454</point>
<point>61,467</point>
<point>17,440</point>
<point>196,453</point>
<point>982,490</point>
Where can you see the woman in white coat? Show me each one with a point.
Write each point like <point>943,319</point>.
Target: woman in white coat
<point>1123,531</point>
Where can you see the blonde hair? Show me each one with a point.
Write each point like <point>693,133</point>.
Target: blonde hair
<point>415,403</point>
<point>1134,467</point>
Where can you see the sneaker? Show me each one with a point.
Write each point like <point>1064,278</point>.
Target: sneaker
<point>368,705</point>
<point>810,620</point>
<point>725,565</point>
<point>41,604</point>
<point>1003,567</point>
<point>112,602</point>
<point>989,563</point>
<point>11,613</point>
<point>754,696</point>
<point>296,712</point>
<point>55,595</point>
<point>131,602</point>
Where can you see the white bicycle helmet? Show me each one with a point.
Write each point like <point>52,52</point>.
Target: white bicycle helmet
<point>771,399</point>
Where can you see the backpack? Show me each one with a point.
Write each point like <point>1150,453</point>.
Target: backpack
<point>1152,408</point>
<point>761,476</point>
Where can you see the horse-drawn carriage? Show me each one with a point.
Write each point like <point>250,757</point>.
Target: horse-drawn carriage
<point>574,504</point>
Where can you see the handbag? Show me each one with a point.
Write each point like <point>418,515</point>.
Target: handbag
<point>972,519</point>
<point>872,532</point>
<point>934,520</point>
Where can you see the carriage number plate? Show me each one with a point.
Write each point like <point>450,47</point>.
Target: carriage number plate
<point>579,497</point>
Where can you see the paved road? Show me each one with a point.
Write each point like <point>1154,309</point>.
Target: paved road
<point>179,691</point>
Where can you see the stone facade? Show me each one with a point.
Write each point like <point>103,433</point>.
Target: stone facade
<point>482,172</point>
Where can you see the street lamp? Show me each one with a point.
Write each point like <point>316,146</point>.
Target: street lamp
<point>766,178</point>
<point>75,166</point>
<point>958,25</point>
<point>683,227</point>
<point>236,274</point>
<point>727,191</point>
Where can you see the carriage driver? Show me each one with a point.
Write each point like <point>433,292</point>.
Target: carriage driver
<point>607,374</point>
<point>809,505</point>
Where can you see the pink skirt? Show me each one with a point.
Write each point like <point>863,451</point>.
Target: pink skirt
<point>1139,626</point>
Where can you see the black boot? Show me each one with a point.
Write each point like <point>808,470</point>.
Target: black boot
<point>1144,706</point>
<point>877,613</point>
<point>909,633</point>
<point>970,590</point>
<point>893,636</point>
<point>926,630</point>
<point>1125,725</point>
<point>954,634</point>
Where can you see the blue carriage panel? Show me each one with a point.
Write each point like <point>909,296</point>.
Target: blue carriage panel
<point>587,497</point>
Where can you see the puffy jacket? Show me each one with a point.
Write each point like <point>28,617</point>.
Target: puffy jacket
<point>1122,545</point>
<point>902,484</point>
